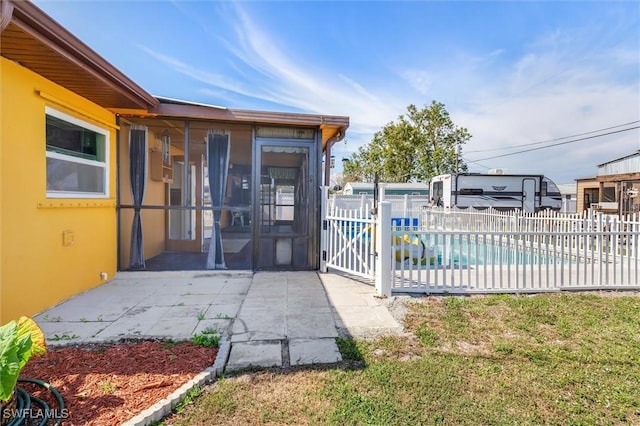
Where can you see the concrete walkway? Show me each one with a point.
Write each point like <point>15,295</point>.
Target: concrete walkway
<point>293,318</point>
<point>285,320</point>
<point>267,319</point>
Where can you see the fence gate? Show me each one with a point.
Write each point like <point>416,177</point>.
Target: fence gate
<point>347,238</point>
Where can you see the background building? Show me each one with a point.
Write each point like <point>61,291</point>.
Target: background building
<point>614,189</point>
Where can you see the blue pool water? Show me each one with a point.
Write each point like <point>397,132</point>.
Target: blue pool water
<point>459,251</point>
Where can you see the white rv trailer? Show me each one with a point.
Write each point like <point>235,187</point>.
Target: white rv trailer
<point>529,193</point>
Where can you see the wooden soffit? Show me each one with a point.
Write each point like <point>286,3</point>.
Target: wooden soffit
<point>37,42</point>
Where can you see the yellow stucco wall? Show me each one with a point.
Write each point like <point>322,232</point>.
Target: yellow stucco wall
<point>37,271</point>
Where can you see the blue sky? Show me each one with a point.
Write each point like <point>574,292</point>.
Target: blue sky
<point>513,73</point>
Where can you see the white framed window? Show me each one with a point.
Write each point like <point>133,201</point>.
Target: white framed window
<point>77,157</point>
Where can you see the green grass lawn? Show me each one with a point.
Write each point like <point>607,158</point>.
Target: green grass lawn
<point>555,359</point>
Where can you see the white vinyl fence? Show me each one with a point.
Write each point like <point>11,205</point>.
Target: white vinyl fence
<point>426,250</point>
<point>484,252</point>
<point>349,228</point>
<point>347,236</point>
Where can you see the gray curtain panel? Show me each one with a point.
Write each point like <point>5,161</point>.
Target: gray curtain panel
<point>137,172</point>
<point>218,165</point>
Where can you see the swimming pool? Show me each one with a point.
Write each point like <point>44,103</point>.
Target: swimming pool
<point>471,250</point>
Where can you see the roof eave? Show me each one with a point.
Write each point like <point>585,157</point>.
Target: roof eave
<point>333,127</point>
<point>34,21</point>
<point>635,154</point>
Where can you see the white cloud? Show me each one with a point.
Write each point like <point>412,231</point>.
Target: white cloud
<point>557,111</point>
<point>562,83</point>
<point>559,86</point>
<point>285,81</point>
<point>213,79</point>
<point>418,79</point>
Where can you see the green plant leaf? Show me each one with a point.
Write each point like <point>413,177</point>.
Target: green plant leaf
<point>16,348</point>
<point>207,338</point>
<point>28,326</point>
<point>9,361</point>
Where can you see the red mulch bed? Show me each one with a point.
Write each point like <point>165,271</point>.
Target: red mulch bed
<point>110,384</point>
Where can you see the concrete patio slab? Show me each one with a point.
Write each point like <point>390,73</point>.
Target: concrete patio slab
<point>310,325</point>
<point>313,351</point>
<point>258,324</point>
<point>358,311</point>
<point>147,305</point>
<point>270,319</point>
<point>222,326</point>
<point>225,298</point>
<point>195,312</point>
<point>77,310</point>
<point>254,354</point>
<point>263,315</point>
<point>65,333</point>
<point>222,311</point>
<point>236,285</point>
<point>161,299</point>
<point>136,322</point>
<point>300,308</point>
<point>179,328</point>
<point>258,302</point>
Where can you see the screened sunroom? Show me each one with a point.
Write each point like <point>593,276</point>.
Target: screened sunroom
<point>204,188</point>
